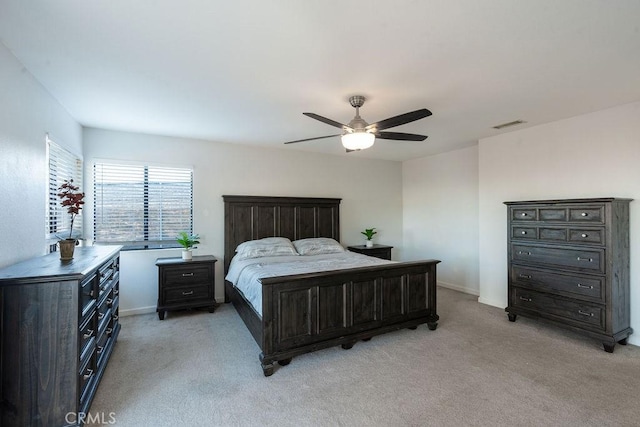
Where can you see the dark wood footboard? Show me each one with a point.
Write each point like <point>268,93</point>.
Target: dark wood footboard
<point>308,312</point>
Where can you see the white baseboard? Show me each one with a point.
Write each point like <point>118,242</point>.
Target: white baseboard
<point>458,288</point>
<point>491,302</point>
<point>140,310</point>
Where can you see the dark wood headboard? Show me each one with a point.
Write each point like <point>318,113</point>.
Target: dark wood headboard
<point>256,217</point>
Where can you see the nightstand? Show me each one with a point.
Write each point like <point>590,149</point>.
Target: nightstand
<point>186,284</point>
<point>378,251</point>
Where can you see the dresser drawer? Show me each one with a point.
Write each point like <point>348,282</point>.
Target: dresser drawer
<point>587,214</point>
<point>584,313</point>
<point>553,214</point>
<point>578,285</point>
<point>523,214</point>
<point>553,234</point>
<point>186,294</point>
<point>88,332</point>
<point>188,274</point>
<point>88,296</point>
<point>587,235</point>
<point>86,376</point>
<point>518,233</point>
<point>588,260</point>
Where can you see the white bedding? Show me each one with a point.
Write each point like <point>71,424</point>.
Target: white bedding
<point>246,274</point>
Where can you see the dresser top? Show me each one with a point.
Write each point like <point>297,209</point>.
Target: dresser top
<point>50,267</point>
<point>549,202</point>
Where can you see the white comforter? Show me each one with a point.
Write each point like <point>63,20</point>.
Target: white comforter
<point>246,274</point>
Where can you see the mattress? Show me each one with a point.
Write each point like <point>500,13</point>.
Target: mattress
<point>245,274</point>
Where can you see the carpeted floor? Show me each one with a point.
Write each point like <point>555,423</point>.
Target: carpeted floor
<point>476,369</point>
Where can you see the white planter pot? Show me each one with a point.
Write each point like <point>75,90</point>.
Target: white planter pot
<point>369,243</point>
<point>187,255</point>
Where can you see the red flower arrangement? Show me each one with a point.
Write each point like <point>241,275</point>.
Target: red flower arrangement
<point>72,199</point>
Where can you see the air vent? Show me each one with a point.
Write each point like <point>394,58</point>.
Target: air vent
<point>506,125</point>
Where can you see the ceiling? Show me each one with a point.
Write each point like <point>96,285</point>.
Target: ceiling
<point>244,71</point>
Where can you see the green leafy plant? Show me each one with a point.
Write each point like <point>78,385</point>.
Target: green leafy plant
<point>369,233</point>
<point>72,199</point>
<point>187,241</point>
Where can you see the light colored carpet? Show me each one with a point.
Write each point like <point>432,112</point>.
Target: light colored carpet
<point>476,369</point>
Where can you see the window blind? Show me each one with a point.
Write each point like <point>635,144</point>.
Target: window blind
<point>63,165</point>
<point>141,206</point>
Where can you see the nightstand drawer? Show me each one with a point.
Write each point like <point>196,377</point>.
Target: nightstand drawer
<point>185,294</point>
<point>185,275</point>
<point>377,251</point>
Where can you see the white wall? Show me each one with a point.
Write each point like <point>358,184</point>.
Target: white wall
<point>27,113</point>
<point>593,155</point>
<point>440,215</point>
<point>371,192</point>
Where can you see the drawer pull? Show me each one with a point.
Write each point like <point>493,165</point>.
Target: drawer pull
<point>584,235</point>
<point>187,274</point>
<point>523,233</point>
<point>115,317</point>
<point>585,259</point>
<point>88,374</point>
<point>524,276</point>
<point>584,313</point>
<point>88,334</point>
<point>525,299</point>
<point>523,214</point>
<point>109,302</point>
<point>100,316</point>
<point>187,293</point>
<point>109,331</point>
<point>116,292</point>
<point>584,214</point>
<point>580,285</point>
<point>99,350</point>
<point>525,253</point>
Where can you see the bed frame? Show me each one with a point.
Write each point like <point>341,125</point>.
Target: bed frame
<point>307,312</point>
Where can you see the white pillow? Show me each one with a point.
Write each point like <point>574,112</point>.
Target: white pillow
<point>318,246</point>
<point>269,246</point>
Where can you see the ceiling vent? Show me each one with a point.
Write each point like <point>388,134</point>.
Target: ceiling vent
<point>506,125</point>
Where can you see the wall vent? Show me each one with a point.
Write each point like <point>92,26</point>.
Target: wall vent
<point>506,125</point>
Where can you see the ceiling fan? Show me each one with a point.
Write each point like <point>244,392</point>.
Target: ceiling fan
<point>359,135</point>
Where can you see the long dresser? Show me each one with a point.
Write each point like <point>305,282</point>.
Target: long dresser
<point>569,264</point>
<point>59,324</point>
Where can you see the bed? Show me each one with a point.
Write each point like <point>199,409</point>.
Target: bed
<point>305,312</point>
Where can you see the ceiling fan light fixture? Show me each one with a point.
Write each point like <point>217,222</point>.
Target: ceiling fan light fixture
<point>358,140</point>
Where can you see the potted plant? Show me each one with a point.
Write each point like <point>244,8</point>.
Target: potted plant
<point>369,233</point>
<point>72,199</point>
<point>188,242</point>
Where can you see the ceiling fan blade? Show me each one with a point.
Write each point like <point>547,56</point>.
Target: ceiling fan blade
<point>399,120</point>
<point>327,121</point>
<point>311,139</point>
<point>400,136</point>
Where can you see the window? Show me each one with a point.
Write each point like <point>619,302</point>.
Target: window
<point>63,165</point>
<point>141,206</point>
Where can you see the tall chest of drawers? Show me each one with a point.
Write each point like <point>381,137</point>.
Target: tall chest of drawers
<point>569,264</point>
<point>59,324</point>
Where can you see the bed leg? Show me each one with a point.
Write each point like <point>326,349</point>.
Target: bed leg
<point>347,345</point>
<point>284,362</point>
<point>432,326</point>
<point>267,370</point>
<point>413,328</point>
<point>267,366</point>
